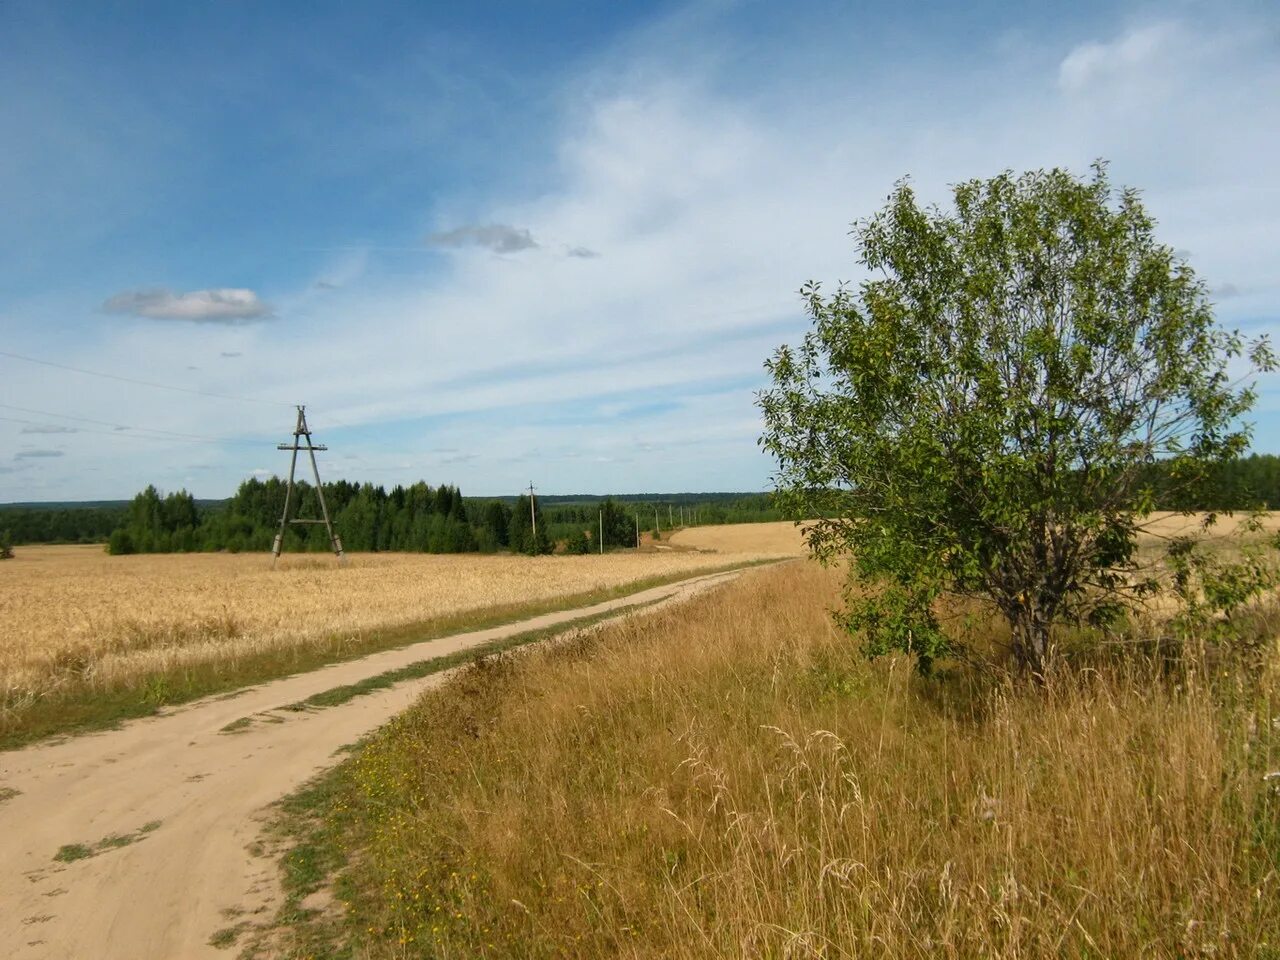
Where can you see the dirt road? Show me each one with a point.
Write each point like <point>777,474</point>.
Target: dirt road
<point>133,843</point>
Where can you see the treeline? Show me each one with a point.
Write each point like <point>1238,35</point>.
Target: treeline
<point>253,514</point>
<point>665,512</point>
<point>1247,483</point>
<point>416,518</point>
<point>61,524</point>
<point>441,520</point>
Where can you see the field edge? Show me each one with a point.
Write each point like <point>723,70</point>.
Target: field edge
<point>45,719</point>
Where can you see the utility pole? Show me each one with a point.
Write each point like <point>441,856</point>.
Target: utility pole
<point>301,430</point>
<point>602,530</point>
<point>637,518</point>
<point>533,518</point>
<point>669,524</point>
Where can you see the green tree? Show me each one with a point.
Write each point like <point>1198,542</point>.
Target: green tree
<point>979,417</point>
<point>520,532</point>
<point>619,527</point>
<point>577,543</point>
<point>120,542</point>
<point>6,545</point>
<point>497,518</point>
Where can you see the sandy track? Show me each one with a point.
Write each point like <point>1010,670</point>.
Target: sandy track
<point>192,798</point>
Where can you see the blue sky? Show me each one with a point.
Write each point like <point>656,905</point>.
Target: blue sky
<point>490,244</point>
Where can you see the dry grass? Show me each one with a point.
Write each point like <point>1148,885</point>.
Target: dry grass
<point>782,538</point>
<point>730,779</point>
<point>1163,524</point>
<point>77,621</point>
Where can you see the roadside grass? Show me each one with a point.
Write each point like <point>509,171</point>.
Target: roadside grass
<point>337,696</point>
<point>226,937</point>
<point>71,852</point>
<point>81,707</point>
<point>730,778</point>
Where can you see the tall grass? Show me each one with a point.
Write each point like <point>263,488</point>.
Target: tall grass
<point>730,779</point>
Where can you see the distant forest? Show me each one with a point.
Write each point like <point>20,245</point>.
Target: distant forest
<point>417,518</point>
<point>441,520</point>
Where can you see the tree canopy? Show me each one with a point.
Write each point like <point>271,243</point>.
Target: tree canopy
<point>983,413</point>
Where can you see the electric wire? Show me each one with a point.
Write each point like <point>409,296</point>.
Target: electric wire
<point>123,434</point>
<point>143,383</point>
<point>125,429</point>
<point>131,433</point>
<point>119,426</point>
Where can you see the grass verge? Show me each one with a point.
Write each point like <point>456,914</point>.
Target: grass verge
<point>71,852</point>
<point>337,696</point>
<point>730,778</point>
<point>78,710</point>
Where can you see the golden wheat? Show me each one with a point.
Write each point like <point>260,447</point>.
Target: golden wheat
<point>785,537</point>
<point>75,616</point>
<point>781,538</point>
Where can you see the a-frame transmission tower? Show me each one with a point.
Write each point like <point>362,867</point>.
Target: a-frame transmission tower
<point>302,432</point>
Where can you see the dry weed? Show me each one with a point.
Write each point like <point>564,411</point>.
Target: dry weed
<point>729,779</point>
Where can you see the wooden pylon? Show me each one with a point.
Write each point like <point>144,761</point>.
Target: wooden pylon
<point>301,431</point>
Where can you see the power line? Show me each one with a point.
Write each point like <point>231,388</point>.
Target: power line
<point>115,426</point>
<point>143,383</point>
<point>124,433</point>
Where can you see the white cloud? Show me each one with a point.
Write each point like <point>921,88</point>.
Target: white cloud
<point>224,305</point>
<point>1137,52</point>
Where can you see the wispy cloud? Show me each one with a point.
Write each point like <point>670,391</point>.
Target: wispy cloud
<point>36,454</point>
<point>229,354</point>
<point>47,428</point>
<point>229,305</point>
<point>497,237</point>
<point>581,253</point>
<point>1100,62</point>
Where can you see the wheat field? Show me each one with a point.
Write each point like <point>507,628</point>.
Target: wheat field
<point>781,537</point>
<point>784,537</point>
<point>75,617</point>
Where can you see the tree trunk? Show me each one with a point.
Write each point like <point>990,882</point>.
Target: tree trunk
<point>1030,640</point>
